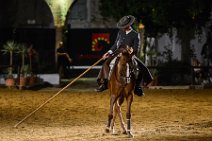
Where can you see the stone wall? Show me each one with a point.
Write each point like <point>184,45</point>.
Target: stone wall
<point>86,14</point>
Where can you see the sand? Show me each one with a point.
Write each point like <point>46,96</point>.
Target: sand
<point>75,115</point>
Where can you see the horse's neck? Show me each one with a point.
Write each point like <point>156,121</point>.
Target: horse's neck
<point>121,70</point>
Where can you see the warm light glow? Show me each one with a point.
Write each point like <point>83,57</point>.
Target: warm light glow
<point>59,9</point>
<point>141,26</point>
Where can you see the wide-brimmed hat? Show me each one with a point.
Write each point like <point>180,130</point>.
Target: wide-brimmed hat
<point>126,21</point>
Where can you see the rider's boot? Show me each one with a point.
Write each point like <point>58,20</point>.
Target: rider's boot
<point>138,89</point>
<point>102,85</point>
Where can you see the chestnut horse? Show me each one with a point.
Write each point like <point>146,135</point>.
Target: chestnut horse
<point>121,85</point>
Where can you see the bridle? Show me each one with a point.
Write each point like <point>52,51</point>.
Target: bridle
<point>124,52</point>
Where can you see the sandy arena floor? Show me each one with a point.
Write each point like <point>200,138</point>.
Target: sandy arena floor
<point>75,115</point>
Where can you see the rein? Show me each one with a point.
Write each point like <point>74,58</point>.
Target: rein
<point>124,77</point>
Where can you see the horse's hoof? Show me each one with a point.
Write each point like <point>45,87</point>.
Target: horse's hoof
<point>130,135</point>
<point>107,130</point>
<point>124,132</point>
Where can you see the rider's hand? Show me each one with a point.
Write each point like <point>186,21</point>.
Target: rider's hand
<point>130,50</point>
<point>106,55</point>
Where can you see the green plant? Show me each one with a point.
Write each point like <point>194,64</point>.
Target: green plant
<point>9,48</point>
<point>22,50</point>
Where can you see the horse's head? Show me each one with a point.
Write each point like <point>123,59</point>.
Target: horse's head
<point>126,51</point>
<point>124,65</point>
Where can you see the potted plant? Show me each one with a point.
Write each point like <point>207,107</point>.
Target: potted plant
<point>24,70</point>
<point>9,48</point>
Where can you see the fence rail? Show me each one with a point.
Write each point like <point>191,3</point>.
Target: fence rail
<point>166,75</point>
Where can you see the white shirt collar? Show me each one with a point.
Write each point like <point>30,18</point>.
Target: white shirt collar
<point>127,32</point>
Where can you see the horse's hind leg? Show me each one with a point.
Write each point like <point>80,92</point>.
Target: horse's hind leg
<point>117,110</point>
<point>128,115</point>
<point>110,115</point>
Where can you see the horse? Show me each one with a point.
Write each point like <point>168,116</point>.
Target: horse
<point>121,85</point>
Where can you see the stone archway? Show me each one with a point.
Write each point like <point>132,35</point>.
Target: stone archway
<point>51,14</point>
<point>25,13</point>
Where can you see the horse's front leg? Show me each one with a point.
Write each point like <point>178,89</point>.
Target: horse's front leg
<point>128,115</point>
<point>110,115</point>
<point>121,100</point>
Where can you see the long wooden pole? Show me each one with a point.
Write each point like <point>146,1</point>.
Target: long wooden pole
<point>30,114</point>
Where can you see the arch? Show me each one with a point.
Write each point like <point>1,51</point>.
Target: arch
<point>77,11</point>
<point>25,13</point>
<point>30,22</point>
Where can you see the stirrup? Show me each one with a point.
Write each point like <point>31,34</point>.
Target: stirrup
<point>101,88</point>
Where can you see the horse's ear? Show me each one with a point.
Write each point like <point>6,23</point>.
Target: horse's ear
<point>130,50</point>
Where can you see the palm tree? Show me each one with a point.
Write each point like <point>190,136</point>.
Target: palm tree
<point>10,47</point>
<point>22,50</point>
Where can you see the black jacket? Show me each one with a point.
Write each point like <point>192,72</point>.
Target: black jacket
<point>131,39</point>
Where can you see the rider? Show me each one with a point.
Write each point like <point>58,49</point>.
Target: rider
<point>126,36</point>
